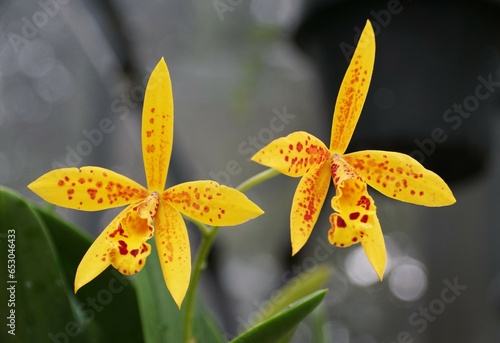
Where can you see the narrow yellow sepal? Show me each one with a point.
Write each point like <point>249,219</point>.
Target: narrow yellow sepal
<point>211,203</point>
<point>401,177</point>
<point>87,188</point>
<point>374,246</point>
<point>157,127</point>
<point>307,203</point>
<point>174,252</point>
<point>293,155</point>
<point>353,91</point>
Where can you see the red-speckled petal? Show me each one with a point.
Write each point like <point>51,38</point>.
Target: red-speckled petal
<point>293,155</point>
<point>172,243</point>
<point>307,203</point>
<point>157,127</point>
<point>400,177</point>
<point>87,188</point>
<point>356,219</point>
<point>122,244</point>
<point>353,91</point>
<point>211,203</point>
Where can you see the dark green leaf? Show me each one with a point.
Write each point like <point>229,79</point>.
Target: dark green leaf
<point>43,310</point>
<point>280,325</point>
<point>48,251</point>
<point>108,303</point>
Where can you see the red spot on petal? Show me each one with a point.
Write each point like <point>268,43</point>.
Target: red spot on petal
<point>134,252</point>
<point>341,223</point>
<point>152,111</point>
<point>354,215</point>
<point>364,219</point>
<point>66,178</point>
<point>60,183</point>
<point>364,202</point>
<point>92,192</point>
<point>99,184</point>
<point>299,147</point>
<point>152,120</point>
<point>355,239</point>
<point>81,180</point>
<point>118,230</point>
<point>99,201</point>
<point>122,248</point>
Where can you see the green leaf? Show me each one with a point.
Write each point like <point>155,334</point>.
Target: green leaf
<point>40,307</point>
<point>281,324</point>
<point>297,288</point>
<point>161,318</point>
<point>104,301</point>
<point>48,251</point>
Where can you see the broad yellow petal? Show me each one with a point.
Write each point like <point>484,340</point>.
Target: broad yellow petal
<point>122,243</point>
<point>157,127</point>
<point>172,243</point>
<point>401,177</point>
<point>356,219</point>
<point>293,155</point>
<point>307,203</point>
<point>211,203</point>
<point>353,91</point>
<point>87,188</point>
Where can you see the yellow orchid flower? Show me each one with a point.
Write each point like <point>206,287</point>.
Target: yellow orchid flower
<point>123,242</point>
<point>393,174</point>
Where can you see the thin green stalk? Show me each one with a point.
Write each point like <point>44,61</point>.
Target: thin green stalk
<point>208,238</point>
<point>206,244</point>
<point>256,179</point>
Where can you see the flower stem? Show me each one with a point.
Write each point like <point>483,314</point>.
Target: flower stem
<point>256,179</point>
<point>207,241</point>
<point>200,260</point>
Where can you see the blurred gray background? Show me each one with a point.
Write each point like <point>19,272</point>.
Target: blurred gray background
<point>72,77</point>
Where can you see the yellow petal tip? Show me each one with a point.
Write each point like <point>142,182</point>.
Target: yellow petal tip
<point>77,286</point>
<point>380,274</point>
